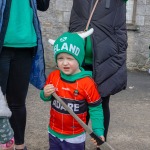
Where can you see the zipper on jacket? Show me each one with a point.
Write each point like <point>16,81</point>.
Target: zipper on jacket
<point>6,14</point>
<point>115,28</point>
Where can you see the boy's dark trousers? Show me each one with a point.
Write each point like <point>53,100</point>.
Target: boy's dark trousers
<point>57,144</point>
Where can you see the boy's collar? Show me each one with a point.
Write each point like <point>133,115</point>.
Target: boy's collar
<point>74,77</point>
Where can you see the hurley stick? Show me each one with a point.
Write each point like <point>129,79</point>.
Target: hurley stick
<point>103,145</point>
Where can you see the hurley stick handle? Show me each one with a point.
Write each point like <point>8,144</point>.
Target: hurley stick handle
<point>87,129</point>
<point>104,145</point>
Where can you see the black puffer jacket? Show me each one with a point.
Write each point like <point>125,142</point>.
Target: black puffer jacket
<point>109,41</point>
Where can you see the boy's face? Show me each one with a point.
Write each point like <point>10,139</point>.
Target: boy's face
<point>67,64</point>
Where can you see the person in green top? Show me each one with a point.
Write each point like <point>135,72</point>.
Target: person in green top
<point>21,58</point>
<point>106,48</point>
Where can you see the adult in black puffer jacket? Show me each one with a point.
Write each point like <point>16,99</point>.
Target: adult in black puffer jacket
<point>106,48</point>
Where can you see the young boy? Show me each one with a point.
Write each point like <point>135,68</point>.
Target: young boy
<point>77,89</point>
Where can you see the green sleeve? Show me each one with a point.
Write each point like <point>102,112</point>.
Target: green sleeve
<point>43,97</point>
<point>97,119</point>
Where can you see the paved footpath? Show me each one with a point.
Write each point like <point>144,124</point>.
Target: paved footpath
<point>130,117</point>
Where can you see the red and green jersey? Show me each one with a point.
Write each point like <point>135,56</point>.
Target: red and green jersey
<point>78,95</point>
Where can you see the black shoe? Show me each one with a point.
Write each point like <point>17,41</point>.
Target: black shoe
<point>25,148</point>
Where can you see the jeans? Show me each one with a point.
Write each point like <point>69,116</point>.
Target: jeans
<point>15,67</point>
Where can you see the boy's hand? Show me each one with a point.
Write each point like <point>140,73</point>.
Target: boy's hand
<point>48,90</point>
<point>94,141</point>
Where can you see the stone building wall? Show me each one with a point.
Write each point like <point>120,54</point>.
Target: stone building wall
<point>54,22</point>
<point>56,19</point>
<point>138,55</point>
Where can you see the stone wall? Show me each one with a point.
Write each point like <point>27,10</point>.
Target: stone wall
<point>54,22</point>
<point>56,19</point>
<point>138,55</point>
